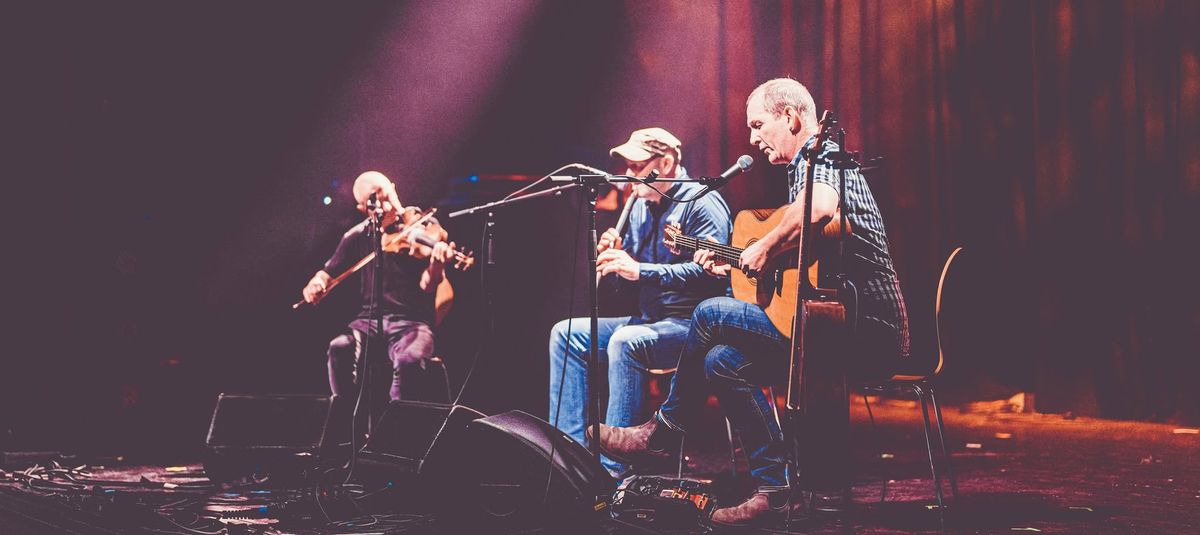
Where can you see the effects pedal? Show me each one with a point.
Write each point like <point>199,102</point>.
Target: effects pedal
<point>664,502</point>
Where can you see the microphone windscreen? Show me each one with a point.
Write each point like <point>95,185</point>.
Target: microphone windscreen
<point>745,162</point>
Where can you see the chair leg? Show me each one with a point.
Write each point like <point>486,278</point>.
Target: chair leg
<point>875,433</point>
<point>732,449</point>
<point>937,413</point>
<point>937,479</point>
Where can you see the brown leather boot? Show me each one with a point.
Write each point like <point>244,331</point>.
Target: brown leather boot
<point>755,511</point>
<point>650,442</point>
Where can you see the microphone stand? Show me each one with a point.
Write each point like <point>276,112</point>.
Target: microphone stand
<point>375,236</point>
<point>593,376</point>
<point>813,379</point>
<point>817,386</point>
<point>844,160</point>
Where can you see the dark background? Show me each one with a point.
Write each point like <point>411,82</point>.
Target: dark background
<point>165,166</point>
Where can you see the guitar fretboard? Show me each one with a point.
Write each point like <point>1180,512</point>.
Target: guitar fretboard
<point>725,253</point>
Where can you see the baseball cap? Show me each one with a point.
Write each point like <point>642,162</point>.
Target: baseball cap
<point>647,143</point>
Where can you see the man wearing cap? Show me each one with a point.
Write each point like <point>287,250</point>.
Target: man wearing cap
<point>733,348</point>
<point>669,286</point>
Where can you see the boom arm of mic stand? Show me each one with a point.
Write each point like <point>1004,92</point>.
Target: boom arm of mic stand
<point>497,204</point>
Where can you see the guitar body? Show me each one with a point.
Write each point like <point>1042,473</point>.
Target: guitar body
<point>776,288</point>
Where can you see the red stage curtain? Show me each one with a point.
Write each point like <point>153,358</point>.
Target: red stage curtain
<point>1060,140</point>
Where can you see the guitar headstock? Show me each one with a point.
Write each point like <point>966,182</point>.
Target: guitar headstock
<point>671,233</point>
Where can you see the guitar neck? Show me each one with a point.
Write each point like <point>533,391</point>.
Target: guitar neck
<point>725,253</point>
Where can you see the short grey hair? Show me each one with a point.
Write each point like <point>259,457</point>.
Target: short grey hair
<point>780,93</point>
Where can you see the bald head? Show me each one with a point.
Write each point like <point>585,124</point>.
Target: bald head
<point>375,182</point>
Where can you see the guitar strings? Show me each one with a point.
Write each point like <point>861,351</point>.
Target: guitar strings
<point>728,253</point>
<point>696,243</point>
<point>722,250</point>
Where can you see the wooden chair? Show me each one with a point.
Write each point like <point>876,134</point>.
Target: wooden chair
<point>920,385</point>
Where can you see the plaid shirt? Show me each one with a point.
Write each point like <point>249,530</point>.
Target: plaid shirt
<point>868,262</point>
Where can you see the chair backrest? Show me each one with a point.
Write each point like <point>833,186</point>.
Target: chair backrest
<point>937,309</point>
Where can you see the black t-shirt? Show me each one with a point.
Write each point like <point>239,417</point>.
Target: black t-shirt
<point>403,297</point>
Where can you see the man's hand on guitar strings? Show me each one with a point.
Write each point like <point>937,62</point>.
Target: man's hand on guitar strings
<point>754,258</point>
<point>705,257</point>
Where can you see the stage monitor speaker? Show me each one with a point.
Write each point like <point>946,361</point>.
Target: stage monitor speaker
<point>410,432</point>
<point>279,437</point>
<point>503,473</point>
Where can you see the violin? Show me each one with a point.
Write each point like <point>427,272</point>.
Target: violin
<point>416,236</point>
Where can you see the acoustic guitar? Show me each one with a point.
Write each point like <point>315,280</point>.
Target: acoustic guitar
<point>775,289</point>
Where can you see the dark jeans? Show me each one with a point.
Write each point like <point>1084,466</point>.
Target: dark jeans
<point>734,349</point>
<point>409,343</point>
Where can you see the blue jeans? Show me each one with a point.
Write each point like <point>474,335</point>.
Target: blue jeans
<point>628,347</point>
<point>733,348</point>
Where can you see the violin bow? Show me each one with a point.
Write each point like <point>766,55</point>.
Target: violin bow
<point>366,259</point>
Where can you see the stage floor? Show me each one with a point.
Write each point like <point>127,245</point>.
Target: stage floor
<point>1016,473</point>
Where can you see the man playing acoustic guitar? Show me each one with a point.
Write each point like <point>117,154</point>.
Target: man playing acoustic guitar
<point>734,345</point>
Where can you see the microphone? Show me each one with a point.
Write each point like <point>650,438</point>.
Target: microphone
<point>581,167</point>
<point>588,168</point>
<point>743,164</point>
